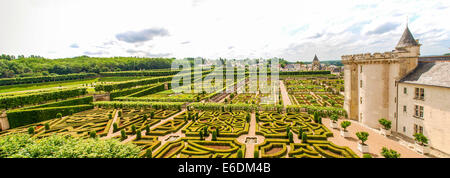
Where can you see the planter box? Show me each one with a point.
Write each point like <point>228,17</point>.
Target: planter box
<point>422,149</point>
<point>363,148</point>
<point>385,132</point>
<point>345,134</point>
<point>333,125</point>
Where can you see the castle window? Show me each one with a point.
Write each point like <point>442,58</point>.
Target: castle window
<point>405,91</point>
<point>360,84</point>
<point>404,129</point>
<point>360,100</point>
<point>360,70</point>
<point>418,129</point>
<point>419,93</point>
<point>418,111</point>
<point>404,108</point>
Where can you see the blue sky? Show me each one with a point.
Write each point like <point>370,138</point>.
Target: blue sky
<point>294,30</point>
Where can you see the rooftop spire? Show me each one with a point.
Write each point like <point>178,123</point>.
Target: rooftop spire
<point>407,39</point>
<point>315,58</point>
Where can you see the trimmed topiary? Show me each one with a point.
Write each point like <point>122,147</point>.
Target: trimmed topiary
<point>93,134</point>
<point>256,154</point>
<point>148,153</point>
<point>304,138</point>
<point>240,154</point>
<point>133,129</point>
<point>421,139</point>
<point>385,123</point>
<point>201,135</point>
<point>123,135</point>
<point>363,136</point>
<point>31,130</point>
<point>47,126</point>
<point>291,137</point>
<point>147,130</point>
<point>115,127</point>
<point>214,136</point>
<point>59,115</point>
<point>138,134</point>
<point>300,132</point>
<point>389,153</point>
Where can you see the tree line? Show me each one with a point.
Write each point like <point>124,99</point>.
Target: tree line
<point>32,66</point>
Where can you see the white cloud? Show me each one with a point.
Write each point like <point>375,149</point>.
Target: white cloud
<point>295,30</point>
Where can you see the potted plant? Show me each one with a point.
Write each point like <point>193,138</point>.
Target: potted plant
<point>386,129</point>
<point>389,153</point>
<point>363,147</point>
<point>344,125</point>
<point>333,121</point>
<point>421,143</point>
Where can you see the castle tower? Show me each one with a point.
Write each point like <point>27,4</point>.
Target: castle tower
<point>370,81</point>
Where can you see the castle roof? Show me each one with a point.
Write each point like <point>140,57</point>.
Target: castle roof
<point>406,40</point>
<point>315,58</point>
<point>430,73</point>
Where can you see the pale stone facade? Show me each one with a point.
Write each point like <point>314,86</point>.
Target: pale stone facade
<point>372,91</point>
<point>434,123</point>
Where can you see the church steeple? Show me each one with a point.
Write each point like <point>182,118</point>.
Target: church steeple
<point>407,39</point>
<point>315,58</point>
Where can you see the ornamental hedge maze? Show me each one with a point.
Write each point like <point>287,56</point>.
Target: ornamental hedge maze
<point>144,109</point>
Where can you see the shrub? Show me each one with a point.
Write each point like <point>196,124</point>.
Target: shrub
<point>288,130</point>
<point>152,115</point>
<point>366,155</point>
<point>385,123</point>
<point>59,115</point>
<point>363,136</point>
<point>115,127</point>
<point>421,139</point>
<point>59,146</point>
<point>148,153</point>
<point>201,135</point>
<point>217,131</point>
<point>47,126</point>
<point>123,135</point>
<point>304,138</point>
<point>205,131</point>
<point>138,134</point>
<point>214,136</point>
<point>93,134</point>
<point>334,118</point>
<point>133,129</point>
<point>147,130</point>
<point>300,132</point>
<point>31,130</point>
<point>120,113</point>
<point>345,124</point>
<point>248,117</point>
<point>256,154</point>
<point>240,154</point>
<point>291,137</point>
<point>389,153</point>
<point>316,117</point>
<point>110,116</point>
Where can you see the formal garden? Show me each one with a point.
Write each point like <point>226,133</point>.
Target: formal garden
<point>144,116</point>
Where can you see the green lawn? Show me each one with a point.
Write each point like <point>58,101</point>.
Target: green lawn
<point>47,85</point>
<point>120,79</point>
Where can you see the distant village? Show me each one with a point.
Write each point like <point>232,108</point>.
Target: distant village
<point>315,65</point>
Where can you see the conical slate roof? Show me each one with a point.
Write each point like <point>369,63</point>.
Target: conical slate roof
<point>315,58</point>
<point>406,40</point>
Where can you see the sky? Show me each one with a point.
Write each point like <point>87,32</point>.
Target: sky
<point>235,29</point>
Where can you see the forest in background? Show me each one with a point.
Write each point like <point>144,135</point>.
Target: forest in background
<point>20,66</point>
